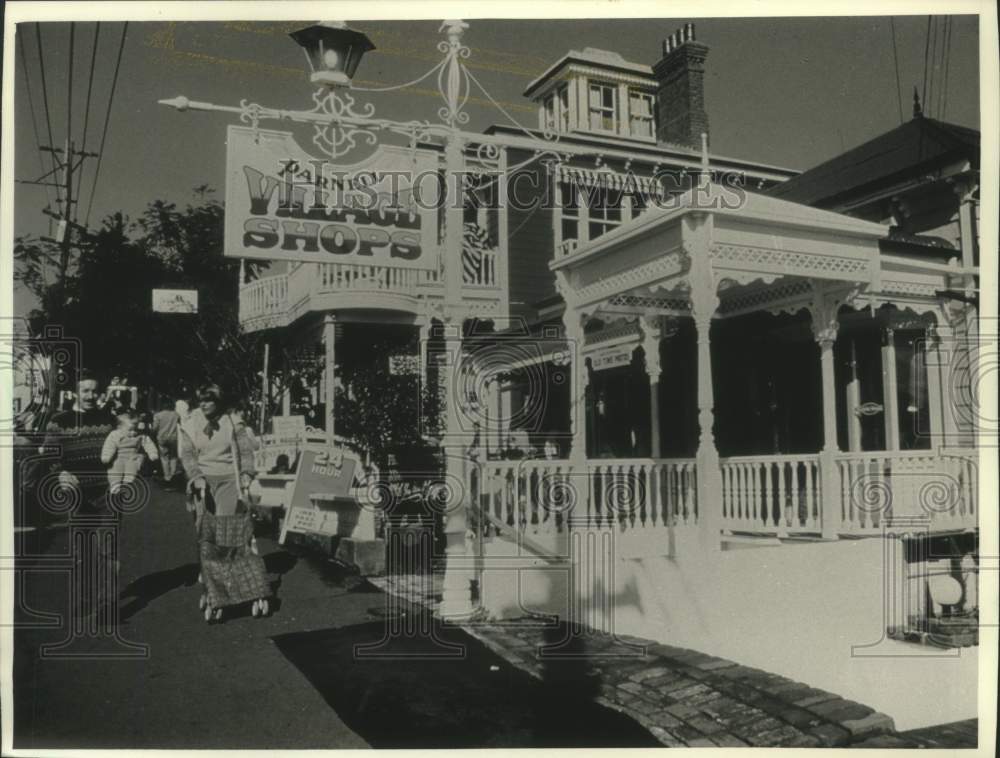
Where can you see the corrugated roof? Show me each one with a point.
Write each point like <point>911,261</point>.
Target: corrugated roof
<point>910,149</point>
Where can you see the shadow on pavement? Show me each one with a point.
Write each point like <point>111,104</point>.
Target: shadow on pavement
<point>147,588</point>
<point>403,697</point>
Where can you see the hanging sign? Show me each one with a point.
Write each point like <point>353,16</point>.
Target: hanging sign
<point>327,472</point>
<point>284,204</point>
<point>175,301</point>
<point>612,357</point>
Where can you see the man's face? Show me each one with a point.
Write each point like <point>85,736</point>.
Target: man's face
<point>87,394</point>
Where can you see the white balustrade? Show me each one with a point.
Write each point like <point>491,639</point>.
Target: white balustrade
<point>772,494</point>
<point>542,496</point>
<point>941,486</point>
<point>638,493</point>
<point>264,297</point>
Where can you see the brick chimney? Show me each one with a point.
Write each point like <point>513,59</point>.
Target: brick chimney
<point>680,94</point>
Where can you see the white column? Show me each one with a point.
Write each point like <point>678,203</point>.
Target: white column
<point>623,104</point>
<point>968,233</point>
<point>579,380</point>
<point>825,326</point>
<point>265,389</point>
<point>853,400</point>
<point>329,343</point>
<point>651,347</point>
<point>935,398</point>
<point>456,600</point>
<point>572,103</point>
<point>890,397</point>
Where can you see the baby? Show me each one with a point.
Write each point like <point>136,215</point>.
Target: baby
<point>125,451</point>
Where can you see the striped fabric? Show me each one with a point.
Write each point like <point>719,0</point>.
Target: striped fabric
<point>475,240</point>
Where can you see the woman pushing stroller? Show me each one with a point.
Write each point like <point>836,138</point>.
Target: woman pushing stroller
<point>217,456</point>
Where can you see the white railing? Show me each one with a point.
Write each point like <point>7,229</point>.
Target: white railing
<point>348,277</point>
<point>877,485</point>
<point>545,496</point>
<point>642,493</point>
<point>277,295</point>
<point>264,297</point>
<point>778,494</point>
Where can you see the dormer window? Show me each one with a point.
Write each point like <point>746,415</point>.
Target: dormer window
<point>602,107</point>
<point>640,112</point>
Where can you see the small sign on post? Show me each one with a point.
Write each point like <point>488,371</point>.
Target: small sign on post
<point>288,430</point>
<point>175,301</point>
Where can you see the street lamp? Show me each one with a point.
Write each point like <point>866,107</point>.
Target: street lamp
<point>333,51</point>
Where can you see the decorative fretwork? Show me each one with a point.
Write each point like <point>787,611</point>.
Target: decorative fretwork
<point>608,286</point>
<point>619,330</point>
<point>767,298</point>
<point>788,262</point>
<point>650,302</point>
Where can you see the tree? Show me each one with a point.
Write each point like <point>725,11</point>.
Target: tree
<point>385,413</point>
<point>107,303</point>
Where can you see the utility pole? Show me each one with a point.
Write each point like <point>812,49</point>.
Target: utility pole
<point>67,162</point>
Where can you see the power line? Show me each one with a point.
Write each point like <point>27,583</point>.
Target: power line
<point>927,50</point>
<point>69,87</point>
<point>107,121</point>
<point>929,102</point>
<point>45,100</point>
<point>947,69</point>
<point>31,108</point>
<point>90,89</point>
<point>895,57</point>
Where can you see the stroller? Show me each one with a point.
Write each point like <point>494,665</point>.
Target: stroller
<point>232,573</point>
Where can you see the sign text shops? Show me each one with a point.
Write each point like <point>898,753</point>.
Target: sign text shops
<point>282,204</point>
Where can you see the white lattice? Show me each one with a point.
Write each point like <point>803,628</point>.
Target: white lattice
<point>617,331</point>
<point>765,298</point>
<point>649,301</point>
<point>640,276</point>
<point>750,258</point>
<point>908,288</point>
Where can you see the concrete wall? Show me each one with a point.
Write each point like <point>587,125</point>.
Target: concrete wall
<point>812,612</point>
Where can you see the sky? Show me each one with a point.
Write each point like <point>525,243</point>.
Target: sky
<point>783,91</point>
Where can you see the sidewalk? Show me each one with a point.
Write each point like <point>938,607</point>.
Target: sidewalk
<point>687,698</point>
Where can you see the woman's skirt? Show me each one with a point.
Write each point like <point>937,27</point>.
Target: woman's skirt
<point>231,572</point>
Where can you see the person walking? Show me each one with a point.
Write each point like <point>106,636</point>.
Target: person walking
<point>77,437</point>
<point>217,457</point>
<point>165,424</point>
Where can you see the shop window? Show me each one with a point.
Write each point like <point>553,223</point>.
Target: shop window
<point>605,208</point>
<point>640,113</point>
<point>602,107</point>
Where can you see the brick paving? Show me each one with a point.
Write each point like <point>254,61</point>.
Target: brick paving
<point>686,698</point>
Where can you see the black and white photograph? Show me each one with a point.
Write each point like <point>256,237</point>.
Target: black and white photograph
<point>460,375</point>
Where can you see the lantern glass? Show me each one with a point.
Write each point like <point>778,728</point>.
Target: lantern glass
<point>334,52</point>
